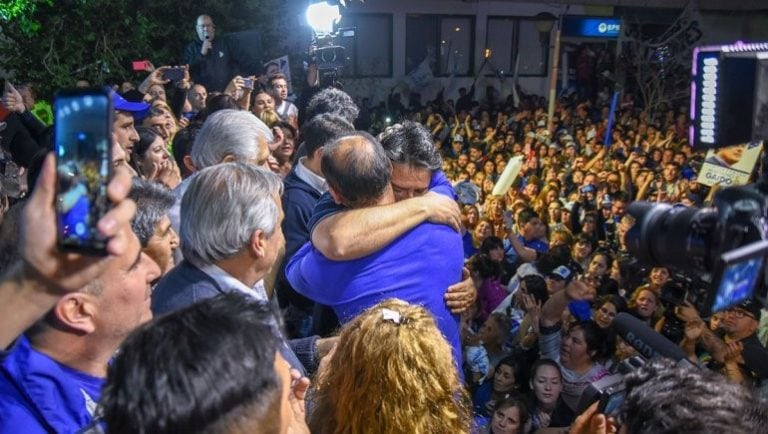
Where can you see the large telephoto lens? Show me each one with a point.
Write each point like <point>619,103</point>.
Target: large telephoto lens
<point>672,236</point>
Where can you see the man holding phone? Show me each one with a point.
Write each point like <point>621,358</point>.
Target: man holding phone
<point>210,60</point>
<point>52,374</point>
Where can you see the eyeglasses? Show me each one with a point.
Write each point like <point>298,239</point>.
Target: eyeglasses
<point>206,26</point>
<point>739,314</point>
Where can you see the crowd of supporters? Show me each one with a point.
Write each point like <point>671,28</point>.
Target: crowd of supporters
<point>506,301</point>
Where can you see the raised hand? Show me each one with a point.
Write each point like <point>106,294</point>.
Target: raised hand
<point>12,99</point>
<point>64,272</point>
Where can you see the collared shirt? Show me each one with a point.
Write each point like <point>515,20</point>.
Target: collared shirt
<point>315,181</point>
<point>226,280</point>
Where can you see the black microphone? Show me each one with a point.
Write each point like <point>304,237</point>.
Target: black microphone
<point>644,339</point>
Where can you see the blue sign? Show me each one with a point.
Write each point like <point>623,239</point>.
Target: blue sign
<point>581,27</point>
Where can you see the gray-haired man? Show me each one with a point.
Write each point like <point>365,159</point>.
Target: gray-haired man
<point>231,235</point>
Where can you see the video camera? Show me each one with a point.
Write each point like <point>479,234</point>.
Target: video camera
<point>329,55</point>
<point>726,243</point>
<point>326,49</point>
<point>679,290</point>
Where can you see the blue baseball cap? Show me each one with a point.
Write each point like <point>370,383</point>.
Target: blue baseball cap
<point>138,109</point>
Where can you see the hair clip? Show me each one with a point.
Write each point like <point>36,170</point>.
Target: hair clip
<point>390,315</point>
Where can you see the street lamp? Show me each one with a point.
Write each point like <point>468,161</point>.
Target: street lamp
<point>544,21</point>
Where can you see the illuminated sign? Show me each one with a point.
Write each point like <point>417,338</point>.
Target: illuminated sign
<point>729,95</point>
<point>590,27</point>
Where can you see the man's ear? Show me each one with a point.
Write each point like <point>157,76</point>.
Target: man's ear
<point>318,154</point>
<point>77,311</point>
<point>187,160</point>
<point>229,158</point>
<point>258,243</point>
<point>335,195</point>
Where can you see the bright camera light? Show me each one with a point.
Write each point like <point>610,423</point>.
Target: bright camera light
<point>322,16</point>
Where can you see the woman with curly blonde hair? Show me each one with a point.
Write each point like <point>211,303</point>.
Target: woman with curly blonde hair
<point>391,372</point>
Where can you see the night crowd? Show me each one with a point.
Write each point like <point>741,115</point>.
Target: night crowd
<point>359,244</point>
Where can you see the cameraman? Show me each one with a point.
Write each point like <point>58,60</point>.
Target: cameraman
<point>737,352</point>
<point>663,397</point>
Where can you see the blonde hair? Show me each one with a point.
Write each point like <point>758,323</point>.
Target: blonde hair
<point>269,117</point>
<point>391,376</point>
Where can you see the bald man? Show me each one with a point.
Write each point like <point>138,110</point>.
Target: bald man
<point>210,59</point>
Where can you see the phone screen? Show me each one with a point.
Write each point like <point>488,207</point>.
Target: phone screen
<point>611,404</point>
<point>737,273</point>
<point>140,65</point>
<point>173,74</point>
<point>83,131</point>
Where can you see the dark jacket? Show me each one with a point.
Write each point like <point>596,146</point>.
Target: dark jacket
<point>299,199</point>
<point>186,284</point>
<point>216,68</point>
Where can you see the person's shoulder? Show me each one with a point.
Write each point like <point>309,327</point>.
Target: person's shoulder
<point>752,343</point>
<point>185,284</point>
<point>294,185</point>
<point>34,393</point>
<point>16,417</point>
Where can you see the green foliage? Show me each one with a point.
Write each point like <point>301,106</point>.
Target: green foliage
<point>52,44</point>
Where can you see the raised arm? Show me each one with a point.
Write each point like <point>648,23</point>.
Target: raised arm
<point>32,287</point>
<point>713,344</point>
<point>527,254</point>
<point>338,236</point>
<point>552,311</point>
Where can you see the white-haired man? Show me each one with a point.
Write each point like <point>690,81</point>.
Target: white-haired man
<point>226,136</point>
<point>230,236</point>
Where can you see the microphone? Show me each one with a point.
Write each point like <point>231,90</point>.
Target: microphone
<point>644,339</point>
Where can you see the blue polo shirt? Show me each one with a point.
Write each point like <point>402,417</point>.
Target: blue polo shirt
<point>418,267</point>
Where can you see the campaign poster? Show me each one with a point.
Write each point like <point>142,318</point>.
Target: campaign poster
<point>280,65</point>
<point>731,165</point>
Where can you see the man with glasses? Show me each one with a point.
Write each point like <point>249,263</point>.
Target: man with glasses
<point>738,352</point>
<point>211,61</point>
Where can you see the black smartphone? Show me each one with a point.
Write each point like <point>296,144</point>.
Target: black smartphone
<point>611,400</point>
<point>173,74</point>
<point>82,144</point>
<point>248,83</point>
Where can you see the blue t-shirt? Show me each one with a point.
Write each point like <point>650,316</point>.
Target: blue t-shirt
<point>417,267</point>
<point>38,394</point>
<point>535,244</point>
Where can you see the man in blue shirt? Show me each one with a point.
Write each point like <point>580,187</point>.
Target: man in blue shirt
<point>417,267</point>
<point>52,377</point>
<point>529,242</point>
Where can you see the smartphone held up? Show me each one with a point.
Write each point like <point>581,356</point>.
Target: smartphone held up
<point>173,74</point>
<point>82,144</point>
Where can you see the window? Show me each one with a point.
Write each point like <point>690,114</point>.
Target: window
<point>508,36</point>
<point>535,60</point>
<point>369,52</point>
<point>500,39</point>
<point>448,40</point>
